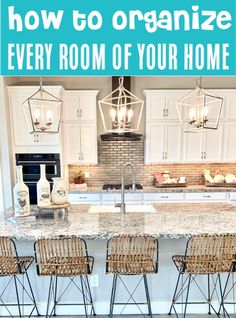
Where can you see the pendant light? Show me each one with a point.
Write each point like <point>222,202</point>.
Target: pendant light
<point>121,110</point>
<point>43,111</point>
<point>199,110</point>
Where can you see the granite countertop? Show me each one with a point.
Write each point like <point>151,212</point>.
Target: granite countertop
<point>171,221</point>
<point>191,188</point>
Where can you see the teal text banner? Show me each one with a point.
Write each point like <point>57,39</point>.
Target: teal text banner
<point>101,37</point>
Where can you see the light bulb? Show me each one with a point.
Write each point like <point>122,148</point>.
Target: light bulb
<point>37,116</point>
<point>122,113</point>
<point>192,114</point>
<point>204,112</point>
<point>113,114</point>
<point>130,115</point>
<point>49,116</point>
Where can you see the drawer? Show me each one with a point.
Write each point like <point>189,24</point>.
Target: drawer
<point>84,198</point>
<point>232,196</point>
<point>165,196</point>
<point>111,198</point>
<point>206,196</point>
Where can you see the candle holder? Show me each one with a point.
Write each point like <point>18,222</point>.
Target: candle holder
<point>121,110</point>
<point>43,111</point>
<point>199,110</point>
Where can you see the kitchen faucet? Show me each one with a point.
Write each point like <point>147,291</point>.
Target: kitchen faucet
<point>122,204</point>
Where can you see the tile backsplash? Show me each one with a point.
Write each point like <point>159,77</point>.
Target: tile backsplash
<point>112,155</point>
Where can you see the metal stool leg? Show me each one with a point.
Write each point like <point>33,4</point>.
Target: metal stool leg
<point>187,294</point>
<point>175,292</point>
<point>32,293</point>
<point>83,294</point>
<point>209,294</point>
<point>55,297</point>
<point>49,296</point>
<point>17,296</point>
<point>113,293</point>
<point>90,295</point>
<point>147,295</point>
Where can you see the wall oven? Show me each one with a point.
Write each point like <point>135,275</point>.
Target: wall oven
<point>31,170</point>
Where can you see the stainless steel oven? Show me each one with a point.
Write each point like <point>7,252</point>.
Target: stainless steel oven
<point>31,169</point>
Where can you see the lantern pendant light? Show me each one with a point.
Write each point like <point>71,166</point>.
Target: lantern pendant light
<point>43,111</point>
<point>121,110</point>
<point>199,110</point>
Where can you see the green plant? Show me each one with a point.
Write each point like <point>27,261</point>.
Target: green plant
<point>79,174</point>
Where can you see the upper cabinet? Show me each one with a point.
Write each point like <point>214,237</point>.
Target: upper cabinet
<point>79,105</point>
<point>80,127</point>
<point>166,142</point>
<point>22,140</point>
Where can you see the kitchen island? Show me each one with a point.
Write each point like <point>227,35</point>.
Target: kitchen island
<point>172,224</point>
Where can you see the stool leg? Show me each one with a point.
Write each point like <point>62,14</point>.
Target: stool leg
<point>90,295</point>
<point>17,296</point>
<point>187,294</point>
<point>55,297</point>
<point>49,296</point>
<point>32,294</point>
<point>209,294</point>
<point>175,292</point>
<point>147,295</point>
<point>113,294</point>
<point>83,293</point>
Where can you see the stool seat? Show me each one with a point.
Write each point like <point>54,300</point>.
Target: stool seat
<point>206,264</point>
<point>67,266</point>
<point>132,264</point>
<point>14,265</point>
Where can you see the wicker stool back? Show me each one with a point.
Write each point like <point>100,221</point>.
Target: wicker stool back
<point>65,257</point>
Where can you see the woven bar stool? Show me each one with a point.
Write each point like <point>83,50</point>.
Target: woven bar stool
<point>131,255</point>
<point>63,257</point>
<point>16,267</point>
<point>205,255</point>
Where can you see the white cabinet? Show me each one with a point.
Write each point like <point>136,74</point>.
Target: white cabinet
<point>163,142</point>
<point>161,104</point>
<point>79,105</point>
<point>114,198</point>
<point>204,146</point>
<point>152,197</point>
<point>80,143</point>
<point>22,140</point>
<point>163,130</point>
<point>206,196</point>
<point>230,142</point>
<point>80,127</point>
<point>84,198</point>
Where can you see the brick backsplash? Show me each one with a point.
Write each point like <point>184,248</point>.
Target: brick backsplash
<point>112,155</point>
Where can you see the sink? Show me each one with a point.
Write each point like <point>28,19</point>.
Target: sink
<point>129,209</point>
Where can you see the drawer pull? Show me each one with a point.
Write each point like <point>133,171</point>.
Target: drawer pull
<point>164,197</point>
<point>207,196</point>
<point>82,197</point>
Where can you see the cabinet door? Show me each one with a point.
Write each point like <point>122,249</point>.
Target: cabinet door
<point>230,142</point>
<point>193,145</point>
<point>229,106</point>
<point>88,137</point>
<point>173,142</point>
<point>155,107</point>
<point>79,105</point>
<point>71,143</point>
<point>20,130</point>
<point>213,142</point>
<point>155,138</point>
<point>171,99</point>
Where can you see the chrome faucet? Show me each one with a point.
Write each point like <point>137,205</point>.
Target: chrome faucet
<point>122,204</point>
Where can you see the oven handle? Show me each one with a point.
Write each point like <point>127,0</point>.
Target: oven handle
<point>36,162</point>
